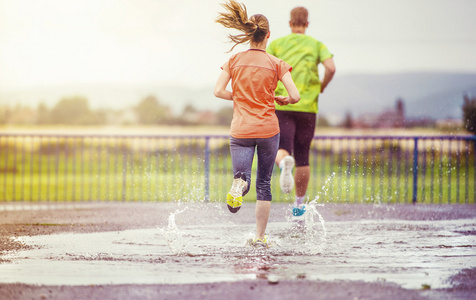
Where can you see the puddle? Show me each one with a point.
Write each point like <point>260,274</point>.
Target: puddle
<point>209,245</point>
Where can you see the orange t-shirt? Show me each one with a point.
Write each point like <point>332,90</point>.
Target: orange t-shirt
<point>254,77</point>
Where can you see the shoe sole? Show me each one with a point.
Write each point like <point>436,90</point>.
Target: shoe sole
<point>234,198</point>
<point>233,209</point>
<point>233,203</point>
<point>286,179</point>
<point>259,246</point>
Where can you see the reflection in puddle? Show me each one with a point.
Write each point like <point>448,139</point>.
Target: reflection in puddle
<point>198,246</point>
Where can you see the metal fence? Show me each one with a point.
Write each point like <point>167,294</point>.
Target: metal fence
<point>361,169</point>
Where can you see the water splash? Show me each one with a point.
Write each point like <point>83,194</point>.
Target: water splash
<point>325,187</point>
<point>311,227</point>
<point>173,236</point>
<point>176,242</point>
<point>315,235</point>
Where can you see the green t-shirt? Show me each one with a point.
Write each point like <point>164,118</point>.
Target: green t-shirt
<point>303,53</point>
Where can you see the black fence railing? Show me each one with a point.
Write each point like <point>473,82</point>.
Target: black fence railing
<point>361,169</point>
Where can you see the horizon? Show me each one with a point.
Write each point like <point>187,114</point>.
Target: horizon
<point>206,85</point>
<point>435,95</point>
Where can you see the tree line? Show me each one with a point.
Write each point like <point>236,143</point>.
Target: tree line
<point>76,110</point>
<point>150,111</point>
<point>469,113</point>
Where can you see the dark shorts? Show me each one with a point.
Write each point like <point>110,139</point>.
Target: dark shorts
<point>297,131</point>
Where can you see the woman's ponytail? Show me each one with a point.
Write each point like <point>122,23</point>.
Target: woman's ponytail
<point>254,29</point>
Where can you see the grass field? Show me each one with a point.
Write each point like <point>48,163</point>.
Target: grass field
<point>61,168</point>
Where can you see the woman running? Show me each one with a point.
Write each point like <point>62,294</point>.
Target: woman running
<point>254,74</point>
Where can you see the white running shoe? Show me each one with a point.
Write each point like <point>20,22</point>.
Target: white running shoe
<point>286,179</point>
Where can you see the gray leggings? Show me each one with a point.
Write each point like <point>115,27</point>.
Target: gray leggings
<point>242,154</point>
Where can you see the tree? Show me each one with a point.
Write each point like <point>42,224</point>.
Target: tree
<point>42,114</point>
<point>4,111</point>
<point>469,113</point>
<point>348,121</point>
<point>150,111</point>
<point>322,121</point>
<point>72,111</point>
<point>224,115</point>
<point>189,109</point>
<point>189,116</point>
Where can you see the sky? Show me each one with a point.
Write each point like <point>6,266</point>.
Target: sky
<point>57,42</point>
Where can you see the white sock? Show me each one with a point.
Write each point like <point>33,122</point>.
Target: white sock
<point>299,201</point>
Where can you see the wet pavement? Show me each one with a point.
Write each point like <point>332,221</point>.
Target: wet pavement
<point>413,246</point>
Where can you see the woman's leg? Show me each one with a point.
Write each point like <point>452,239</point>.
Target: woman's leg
<point>262,210</point>
<point>267,149</point>
<point>242,154</point>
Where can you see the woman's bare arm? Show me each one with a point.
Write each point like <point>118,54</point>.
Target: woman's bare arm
<point>293,92</point>
<point>220,90</point>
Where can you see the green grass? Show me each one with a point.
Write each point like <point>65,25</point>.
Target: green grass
<point>64,170</point>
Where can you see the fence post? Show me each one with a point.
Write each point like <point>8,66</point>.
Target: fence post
<point>474,164</point>
<point>415,170</point>
<point>124,172</point>
<point>207,168</point>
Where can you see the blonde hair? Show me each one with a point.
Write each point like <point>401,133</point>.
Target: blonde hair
<point>254,29</point>
<point>299,16</point>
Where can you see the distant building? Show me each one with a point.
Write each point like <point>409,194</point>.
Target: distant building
<point>449,124</point>
<point>207,117</point>
<point>20,115</point>
<point>200,117</point>
<point>420,122</point>
<point>391,118</point>
<point>123,117</point>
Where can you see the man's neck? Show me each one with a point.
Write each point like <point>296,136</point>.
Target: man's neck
<point>298,29</point>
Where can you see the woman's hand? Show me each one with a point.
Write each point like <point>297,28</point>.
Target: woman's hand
<point>281,100</point>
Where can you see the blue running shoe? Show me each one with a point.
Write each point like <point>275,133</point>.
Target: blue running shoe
<point>299,211</point>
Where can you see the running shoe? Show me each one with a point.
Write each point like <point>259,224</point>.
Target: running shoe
<point>259,243</point>
<point>286,179</point>
<point>234,198</point>
<point>299,211</point>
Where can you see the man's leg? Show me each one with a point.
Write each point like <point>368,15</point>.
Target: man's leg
<point>301,179</point>
<point>304,135</point>
<point>283,159</point>
<point>282,153</point>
